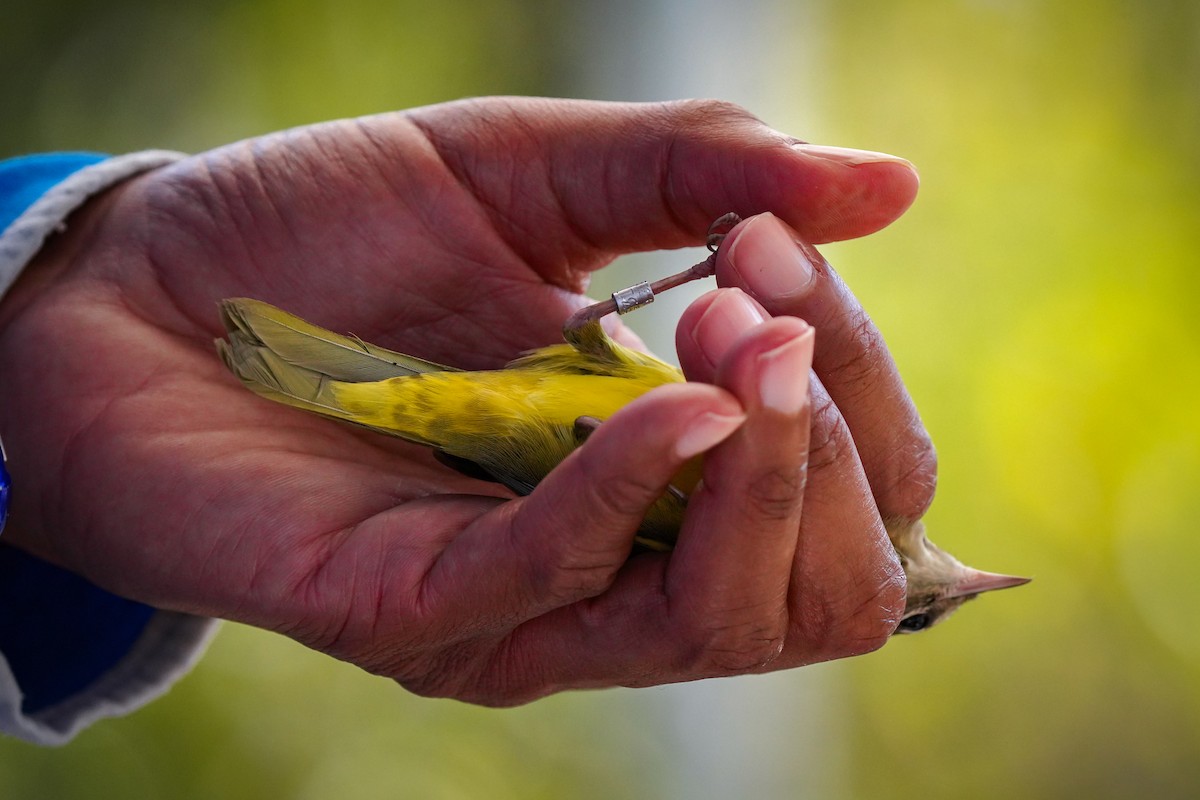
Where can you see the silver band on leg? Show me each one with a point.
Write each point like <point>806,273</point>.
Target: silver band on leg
<point>633,297</point>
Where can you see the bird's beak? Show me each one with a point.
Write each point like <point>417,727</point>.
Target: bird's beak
<point>976,581</point>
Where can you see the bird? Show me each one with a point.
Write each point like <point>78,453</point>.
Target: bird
<point>938,583</point>
<point>511,426</point>
<point>514,425</point>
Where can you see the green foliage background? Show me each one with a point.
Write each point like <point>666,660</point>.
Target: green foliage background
<point>1041,299</point>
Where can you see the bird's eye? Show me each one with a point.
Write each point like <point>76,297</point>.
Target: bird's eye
<point>916,622</point>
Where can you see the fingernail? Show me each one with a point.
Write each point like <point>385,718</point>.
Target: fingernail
<point>770,262</point>
<point>849,156</point>
<point>730,314</point>
<point>783,375</point>
<point>706,432</point>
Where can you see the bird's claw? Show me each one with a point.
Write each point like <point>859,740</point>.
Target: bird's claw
<point>715,233</point>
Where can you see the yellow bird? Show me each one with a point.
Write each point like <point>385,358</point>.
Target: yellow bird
<point>515,424</point>
<point>512,425</point>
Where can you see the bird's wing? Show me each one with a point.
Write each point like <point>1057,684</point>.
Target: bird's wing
<point>341,358</point>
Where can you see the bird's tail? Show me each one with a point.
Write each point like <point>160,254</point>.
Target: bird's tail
<point>285,359</point>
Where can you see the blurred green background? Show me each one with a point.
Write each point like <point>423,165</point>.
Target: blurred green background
<point>1041,298</point>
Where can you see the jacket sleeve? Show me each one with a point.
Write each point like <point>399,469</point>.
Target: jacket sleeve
<point>70,652</point>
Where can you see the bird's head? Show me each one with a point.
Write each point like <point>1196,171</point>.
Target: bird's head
<point>938,583</point>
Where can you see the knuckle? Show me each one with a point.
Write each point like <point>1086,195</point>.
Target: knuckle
<point>620,497</point>
<point>581,551</point>
<point>704,112</point>
<point>437,672</point>
<point>746,655</point>
<point>571,580</point>
<point>692,128</point>
<point>830,438</point>
<point>876,618</point>
<point>866,356</point>
<point>857,621</point>
<point>431,684</point>
<point>776,495</point>
<point>730,638</point>
<point>571,573</point>
<point>491,675</point>
<point>914,482</point>
<point>733,649</point>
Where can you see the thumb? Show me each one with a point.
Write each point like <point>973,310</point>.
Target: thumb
<point>622,177</point>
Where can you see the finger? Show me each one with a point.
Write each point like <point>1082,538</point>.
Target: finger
<point>789,277</point>
<point>719,603</point>
<point>747,574</point>
<point>838,581</point>
<point>848,589</point>
<point>730,575</point>
<point>620,177</point>
<point>836,603</point>
<point>709,327</point>
<point>567,540</point>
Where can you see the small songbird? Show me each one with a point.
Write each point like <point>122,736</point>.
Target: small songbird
<point>515,424</point>
<point>938,583</point>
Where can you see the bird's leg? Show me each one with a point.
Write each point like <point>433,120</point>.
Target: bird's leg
<point>626,300</point>
<point>719,229</point>
<point>584,427</point>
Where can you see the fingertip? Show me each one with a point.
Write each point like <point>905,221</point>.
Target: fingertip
<point>766,257</point>
<point>706,432</point>
<point>783,380</point>
<point>849,156</point>
<point>850,193</point>
<point>770,368</point>
<point>689,418</point>
<point>892,187</point>
<point>674,407</point>
<point>710,327</point>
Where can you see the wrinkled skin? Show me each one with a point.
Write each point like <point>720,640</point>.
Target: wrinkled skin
<point>465,233</point>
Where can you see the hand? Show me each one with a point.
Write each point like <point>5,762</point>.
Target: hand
<point>465,234</point>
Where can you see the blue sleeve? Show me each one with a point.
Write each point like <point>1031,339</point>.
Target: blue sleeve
<point>58,632</point>
<point>23,180</point>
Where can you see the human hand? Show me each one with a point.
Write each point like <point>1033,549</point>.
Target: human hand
<point>465,234</point>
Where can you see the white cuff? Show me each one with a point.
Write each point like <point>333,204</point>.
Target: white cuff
<point>168,647</point>
<point>171,642</point>
<point>21,240</point>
